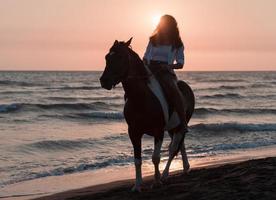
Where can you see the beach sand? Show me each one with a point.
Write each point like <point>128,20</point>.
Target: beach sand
<point>253,179</point>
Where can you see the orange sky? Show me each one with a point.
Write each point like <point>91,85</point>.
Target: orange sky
<point>76,34</point>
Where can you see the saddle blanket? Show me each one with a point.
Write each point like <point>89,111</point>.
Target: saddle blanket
<point>171,121</point>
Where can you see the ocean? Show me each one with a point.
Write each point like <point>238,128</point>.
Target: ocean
<point>58,123</point>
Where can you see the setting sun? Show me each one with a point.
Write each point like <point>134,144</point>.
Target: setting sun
<point>155,19</point>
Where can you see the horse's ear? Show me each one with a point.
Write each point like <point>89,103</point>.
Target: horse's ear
<point>128,42</point>
<point>116,42</point>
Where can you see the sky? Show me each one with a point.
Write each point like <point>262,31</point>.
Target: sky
<point>76,34</point>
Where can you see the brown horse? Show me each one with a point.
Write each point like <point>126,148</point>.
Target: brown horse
<point>143,111</point>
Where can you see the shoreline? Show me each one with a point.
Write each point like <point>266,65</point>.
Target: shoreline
<point>243,180</point>
<point>120,176</point>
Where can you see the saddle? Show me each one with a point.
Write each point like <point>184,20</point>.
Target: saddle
<point>157,70</point>
<point>171,117</point>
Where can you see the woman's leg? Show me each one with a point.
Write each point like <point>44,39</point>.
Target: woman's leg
<point>171,90</point>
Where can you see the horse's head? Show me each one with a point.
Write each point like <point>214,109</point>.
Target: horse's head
<point>117,64</point>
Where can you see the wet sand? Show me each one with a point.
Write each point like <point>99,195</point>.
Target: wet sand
<point>253,179</point>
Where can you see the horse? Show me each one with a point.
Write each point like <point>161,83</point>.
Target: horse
<point>142,111</point>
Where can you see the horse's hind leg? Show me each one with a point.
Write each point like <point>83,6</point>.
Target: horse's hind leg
<point>173,150</point>
<point>156,159</point>
<point>186,165</point>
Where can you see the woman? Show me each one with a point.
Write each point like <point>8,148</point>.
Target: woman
<point>165,52</point>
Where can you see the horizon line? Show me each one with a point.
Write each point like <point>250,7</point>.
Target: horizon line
<point>103,70</point>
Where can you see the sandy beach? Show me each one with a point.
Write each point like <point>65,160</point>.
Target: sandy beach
<point>254,179</point>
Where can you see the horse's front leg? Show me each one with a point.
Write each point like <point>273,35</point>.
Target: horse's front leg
<point>136,138</point>
<point>156,158</point>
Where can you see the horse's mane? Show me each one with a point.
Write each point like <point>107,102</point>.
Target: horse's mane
<point>138,64</point>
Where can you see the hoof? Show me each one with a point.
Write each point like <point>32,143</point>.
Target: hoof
<point>186,169</point>
<point>136,188</point>
<point>165,176</point>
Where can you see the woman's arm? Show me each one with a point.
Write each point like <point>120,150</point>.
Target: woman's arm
<point>180,59</point>
<point>177,66</point>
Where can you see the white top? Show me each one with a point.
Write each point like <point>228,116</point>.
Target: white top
<point>164,53</point>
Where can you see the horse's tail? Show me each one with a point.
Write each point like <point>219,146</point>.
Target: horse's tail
<point>190,99</point>
<point>189,96</point>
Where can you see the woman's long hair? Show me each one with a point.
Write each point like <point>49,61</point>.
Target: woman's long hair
<point>166,22</point>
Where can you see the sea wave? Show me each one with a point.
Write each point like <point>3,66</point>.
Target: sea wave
<point>236,87</point>
<point>232,127</point>
<point>206,111</point>
<point>122,159</point>
<point>259,85</point>
<point>62,98</point>
<point>118,161</point>
<point>224,80</point>
<point>5,108</point>
<point>28,92</point>
<point>244,145</point>
<point>217,128</point>
<point>117,115</point>
<point>102,115</point>
<point>212,149</point>
<point>63,106</point>
<point>54,145</point>
<point>218,96</point>
<point>221,87</point>
<point>17,83</point>
<point>232,87</point>
<point>110,115</point>
<point>75,88</point>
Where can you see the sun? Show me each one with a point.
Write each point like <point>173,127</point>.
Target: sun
<point>155,19</point>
